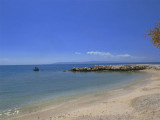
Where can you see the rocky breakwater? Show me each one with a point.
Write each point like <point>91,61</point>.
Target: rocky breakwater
<point>116,68</point>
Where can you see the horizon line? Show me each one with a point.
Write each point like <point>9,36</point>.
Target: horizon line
<point>85,62</point>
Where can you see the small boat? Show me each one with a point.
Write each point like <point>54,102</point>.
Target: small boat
<point>36,69</point>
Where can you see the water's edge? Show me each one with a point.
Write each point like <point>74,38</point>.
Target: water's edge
<point>91,97</point>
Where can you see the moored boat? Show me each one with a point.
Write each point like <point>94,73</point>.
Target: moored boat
<point>36,69</point>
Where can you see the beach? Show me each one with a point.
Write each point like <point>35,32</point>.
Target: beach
<point>79,60</point>
<point>136,102</point>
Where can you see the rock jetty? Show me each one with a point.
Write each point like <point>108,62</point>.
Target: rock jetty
<point>116,68</point>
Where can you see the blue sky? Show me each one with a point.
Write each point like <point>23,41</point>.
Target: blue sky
<point>48,31</point>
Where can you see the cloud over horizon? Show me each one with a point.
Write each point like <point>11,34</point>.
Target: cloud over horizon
<point>107,54</point>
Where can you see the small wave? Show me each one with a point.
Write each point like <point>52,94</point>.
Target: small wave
<point>9,113</point>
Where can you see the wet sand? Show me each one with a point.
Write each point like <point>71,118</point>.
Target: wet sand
<point>140,101</point>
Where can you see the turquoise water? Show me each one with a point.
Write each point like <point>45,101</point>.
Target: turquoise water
<point>23,90</point>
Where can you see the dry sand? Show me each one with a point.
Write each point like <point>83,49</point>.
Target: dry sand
<point>132,103</point>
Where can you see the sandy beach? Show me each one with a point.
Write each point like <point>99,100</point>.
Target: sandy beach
<point>140,101</point>
<point>79,59</point>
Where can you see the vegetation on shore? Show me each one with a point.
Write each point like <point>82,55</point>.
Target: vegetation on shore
<point>155,35</point>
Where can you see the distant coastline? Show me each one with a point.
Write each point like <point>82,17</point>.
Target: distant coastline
<point>85,63</point>
<point>104,63</point>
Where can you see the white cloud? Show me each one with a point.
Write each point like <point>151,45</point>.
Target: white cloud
<point>99,53</point>
<point>124,55</point>
<point>107,54</point>
<point>77,53</point>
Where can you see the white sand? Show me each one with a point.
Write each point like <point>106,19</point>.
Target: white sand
<point>142,103</point>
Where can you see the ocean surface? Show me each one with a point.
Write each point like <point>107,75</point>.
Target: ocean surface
<point>23,90</point>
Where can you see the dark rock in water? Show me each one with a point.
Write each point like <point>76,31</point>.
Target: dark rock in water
<point>36,69</point>
<point>116,68</point>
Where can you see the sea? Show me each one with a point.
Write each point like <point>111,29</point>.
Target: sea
<point>23,90</point>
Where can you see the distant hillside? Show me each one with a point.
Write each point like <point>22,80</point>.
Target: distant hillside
<point>88,62</point>
<point>106,62</point>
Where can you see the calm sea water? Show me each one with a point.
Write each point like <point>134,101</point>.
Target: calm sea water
<point>23,90</point>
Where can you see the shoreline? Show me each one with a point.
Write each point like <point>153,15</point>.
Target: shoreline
<point>74,110</point>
